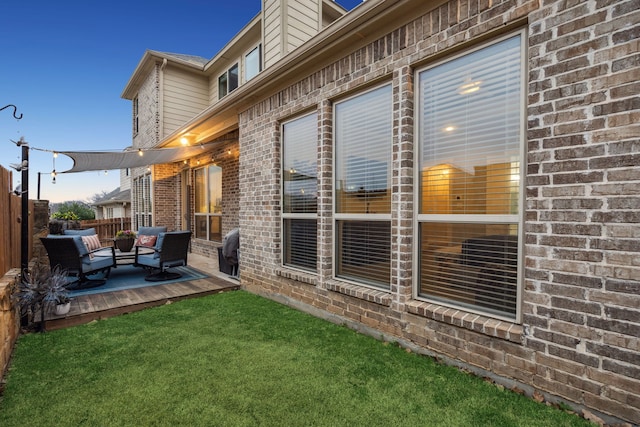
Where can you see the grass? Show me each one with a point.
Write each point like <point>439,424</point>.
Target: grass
<point>235,359</point>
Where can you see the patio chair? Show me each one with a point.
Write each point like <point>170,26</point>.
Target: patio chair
<point>71,254</point>
<point>169,251</point>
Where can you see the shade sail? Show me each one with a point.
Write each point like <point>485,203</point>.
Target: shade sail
<point>84,161</point>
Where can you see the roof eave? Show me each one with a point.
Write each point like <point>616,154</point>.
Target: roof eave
<point>146,64</point>
<point>343,34</point>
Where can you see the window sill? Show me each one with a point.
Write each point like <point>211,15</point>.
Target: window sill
<point>299,276</point>
<point>361,292</point>
<point>485,325</point>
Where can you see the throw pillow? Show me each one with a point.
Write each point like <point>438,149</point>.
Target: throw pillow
<point>92,243</point>
<point>148,241</point>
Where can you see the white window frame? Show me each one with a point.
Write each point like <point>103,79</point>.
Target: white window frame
<point>514,219</point>
<point>245,75</point>
<point>227,75</point>
<point>143,202</point>
<point>364,218</point>
<point>293,216</point>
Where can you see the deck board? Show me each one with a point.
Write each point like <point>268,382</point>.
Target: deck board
<point>87,308</point>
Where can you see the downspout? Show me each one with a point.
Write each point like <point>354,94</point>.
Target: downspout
<point>161,100</point>
<point>160,136</point>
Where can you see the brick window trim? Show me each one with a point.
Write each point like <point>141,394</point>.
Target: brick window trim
<point>298,276</point>
<point>502,329</point>
<point>361,292</point>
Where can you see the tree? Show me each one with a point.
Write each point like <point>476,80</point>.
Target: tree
<point>74,211</point>
<point>102,195</point>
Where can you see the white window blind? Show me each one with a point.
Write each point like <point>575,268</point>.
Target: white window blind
<point>471,138</point>
<point>363,137</point>
<point>363,153</point>
<point>300,192</point>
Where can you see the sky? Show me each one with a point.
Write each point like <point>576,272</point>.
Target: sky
<point>65,63</point>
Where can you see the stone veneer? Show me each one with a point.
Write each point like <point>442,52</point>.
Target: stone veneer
<point>578,341</point>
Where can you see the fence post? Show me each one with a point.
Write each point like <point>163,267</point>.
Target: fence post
<point>24,225</point>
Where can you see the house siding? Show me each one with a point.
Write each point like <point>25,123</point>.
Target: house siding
<point>185,95</point>
<point>149,114</point>
<point>578,339</point>
<point>287,25</point>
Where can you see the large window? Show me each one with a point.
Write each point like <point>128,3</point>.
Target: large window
<point>208,203</point>
<point>363,137</point>
<point>252,63</point>
<point>300,192</point>
<point>470,117</point>
<point>228,81</point>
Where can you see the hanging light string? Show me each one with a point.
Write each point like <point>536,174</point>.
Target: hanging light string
<point>53,172</point>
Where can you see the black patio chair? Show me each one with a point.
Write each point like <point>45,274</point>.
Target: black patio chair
<point>71,254</point>
<point>170,251</point>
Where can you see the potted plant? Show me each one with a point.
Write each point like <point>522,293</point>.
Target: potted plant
<point>56,295</point>
<point>125,240</point>
<point>42,290</point>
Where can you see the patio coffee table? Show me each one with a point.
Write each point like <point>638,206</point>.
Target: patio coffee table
<point>125,258</point>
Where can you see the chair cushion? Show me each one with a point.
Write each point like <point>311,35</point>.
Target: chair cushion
<point>77,239</point>
<point>159,244</point>
<point>96,264</point>
<point>151,231</point>
<point>146,240</point>
<point>87,232</point>
<point>149,260</point>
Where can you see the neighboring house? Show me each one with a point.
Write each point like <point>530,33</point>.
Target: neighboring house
<point>116,204</point>
<point>458,176</point>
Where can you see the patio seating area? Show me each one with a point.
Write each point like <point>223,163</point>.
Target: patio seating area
<point>87,308</point>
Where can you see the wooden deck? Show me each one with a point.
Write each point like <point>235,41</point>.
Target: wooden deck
<point>87,308</point>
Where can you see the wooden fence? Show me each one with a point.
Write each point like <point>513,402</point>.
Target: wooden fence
<point>10,224</point>
<point>106,228</point>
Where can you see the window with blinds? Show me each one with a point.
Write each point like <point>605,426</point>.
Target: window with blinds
<point>470,118</point>
<point>300,192</point>
<point>363,137</point>
<point>142,206</point>
<point>208,203</point>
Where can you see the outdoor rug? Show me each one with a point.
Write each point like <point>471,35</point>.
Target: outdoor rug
<point>130,277</point>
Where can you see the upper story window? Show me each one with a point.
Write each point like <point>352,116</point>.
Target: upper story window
<point>252,63</point>
<point>471,136</point>
<point>135,115</point>
<point>228,81</point>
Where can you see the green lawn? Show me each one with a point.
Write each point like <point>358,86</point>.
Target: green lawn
<point>236,359</point>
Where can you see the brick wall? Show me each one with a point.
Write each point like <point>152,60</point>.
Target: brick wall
<point>167,196</point>
<point>578,341</point>
<point>582,295</point>
<point>168,187</point>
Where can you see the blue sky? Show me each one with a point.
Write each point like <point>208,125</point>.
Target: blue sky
<point>64,65</point>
